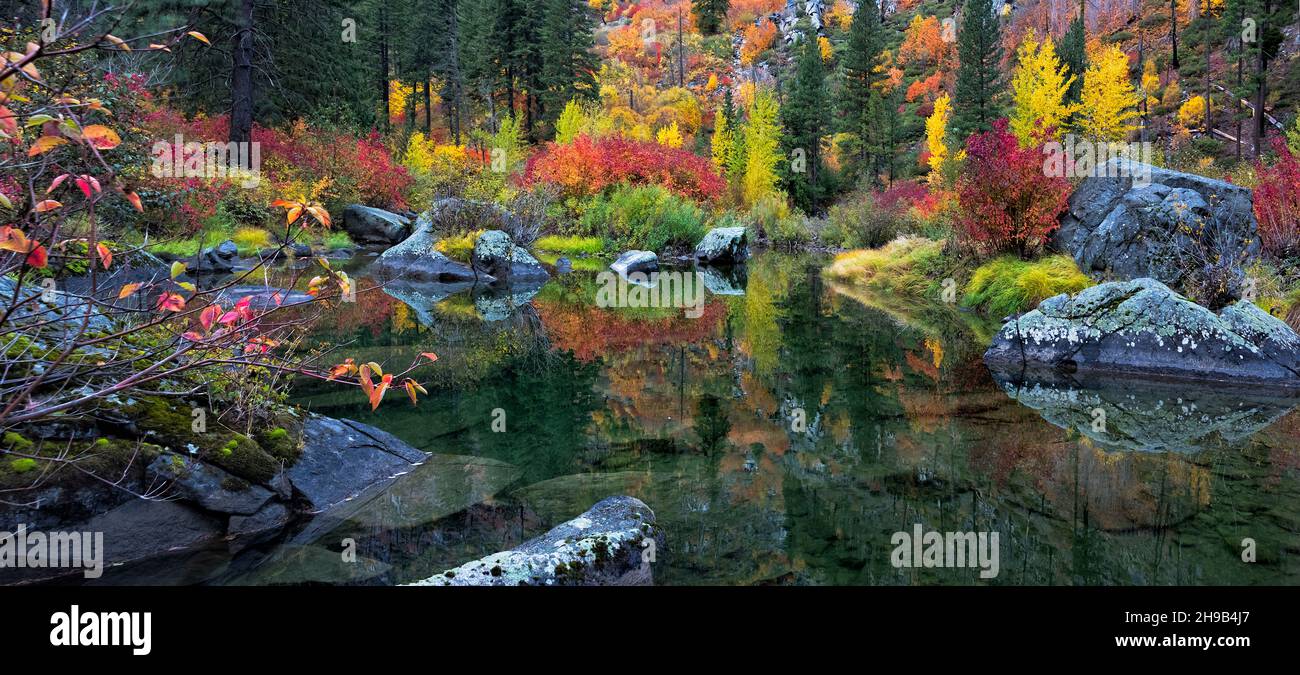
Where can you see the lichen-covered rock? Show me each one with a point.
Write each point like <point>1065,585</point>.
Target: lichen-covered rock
<point>1141,327</point>
<point>497,255</point>
<point>1118,229</point>
<point>416,260</point>
<point>369,225</point>
<point>342,458</point>
<point>636,261</point>
<point>612,544</point>
<point>723,246</point>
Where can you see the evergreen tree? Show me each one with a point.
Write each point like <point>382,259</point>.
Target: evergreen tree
<point>1074,54</point>
<point>710,15</point>
<point>762,147</point>
<point>979,76</point>
<point>862,108</point>
<point>568,63</point>
<point>804,118</point>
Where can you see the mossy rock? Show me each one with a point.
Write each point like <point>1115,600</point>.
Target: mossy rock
<point>237,453</point>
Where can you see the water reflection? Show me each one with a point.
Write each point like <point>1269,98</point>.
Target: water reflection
<point>783,436</point>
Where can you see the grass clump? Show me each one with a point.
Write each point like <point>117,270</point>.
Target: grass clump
<point>1008,285</point>
<point>571,245</point>
<point>644,217</point>
<point>458,247</point>
<point>907,266</point>
<point>335,241</point>
<point>250,239</point>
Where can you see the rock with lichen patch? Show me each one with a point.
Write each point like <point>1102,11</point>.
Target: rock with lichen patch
<point>1142,328</point>
<point>612,544</point>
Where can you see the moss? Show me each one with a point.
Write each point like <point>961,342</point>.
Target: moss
<point>22,465</point>
<point>243,457</point>
<point>236,453</point>
<point>283,442</point>
<point>14,441</point>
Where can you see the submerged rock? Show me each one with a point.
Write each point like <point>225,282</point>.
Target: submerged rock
<point>342,458</point>
<point>1118,229</point>
<point>369,225</point>
<point>723,246</point>
<point>1143,328</point>
<point>636,261</point>
<point>497,255</point>
<point>263,298</point>
<point>611,544</point>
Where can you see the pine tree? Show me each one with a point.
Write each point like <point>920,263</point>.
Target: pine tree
<point>861,103</point>
<point>1109,101</point>
<point>804,118</point>
<point>720,142</point>
<point>568,62</point>
<point>979,75</point>
<point>1038,91</point>
<point>710,15</point>
<point>1074,53</point>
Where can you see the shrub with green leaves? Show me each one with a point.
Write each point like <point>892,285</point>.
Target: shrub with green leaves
<point>645,217</point>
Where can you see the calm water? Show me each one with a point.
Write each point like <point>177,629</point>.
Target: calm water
<point>781,438</point>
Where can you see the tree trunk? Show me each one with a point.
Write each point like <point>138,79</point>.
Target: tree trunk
<point>383,60</point>
<point>1261,68</point>
<point>241,79</point>
<point>1173,31</point>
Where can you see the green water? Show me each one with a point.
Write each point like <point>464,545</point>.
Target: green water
<point>784,435</point>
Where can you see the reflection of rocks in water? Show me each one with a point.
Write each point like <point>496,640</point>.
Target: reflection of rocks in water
<point>440,487</point>
<point>489,304</point>
<point>1151,416</point>
<point>500,306</point>
<point>724,280</point>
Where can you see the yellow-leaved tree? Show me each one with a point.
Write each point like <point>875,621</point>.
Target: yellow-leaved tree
<point>936,135</point>
<point>721,142</point>
<point>1150,83</point>
<point>669,136</point>
<point>1109,102</point>
<point>571,122</point>
<point>762,141</point>
<point>1038,91</point>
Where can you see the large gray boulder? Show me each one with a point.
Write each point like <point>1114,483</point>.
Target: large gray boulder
<point>723,246</point>
<point>1142,328</point>
<point>415,260</point>
<point>369,225</point>
<point>1119,228</point>
<point>613,543</point>
<point>497,255</point>
<point>342,458</point>
<point>208,486</point>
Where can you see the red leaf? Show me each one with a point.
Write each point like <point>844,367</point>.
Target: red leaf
<point>105,255</point>
<point>38,258</point>
<point>171,302</point>
<point>209,315</point>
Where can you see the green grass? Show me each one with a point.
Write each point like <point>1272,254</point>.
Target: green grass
<point>570,245</point>
<point>188,247</point>
<point>579,264</point>
<point>338,240</point>
<point>907,266</point>
<point>1008,285</point>
<point>250,239</point>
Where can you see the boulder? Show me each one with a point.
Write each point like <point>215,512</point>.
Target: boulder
<point>1142,328</point>
<point>219,259</point>
<point>369,225</point>
<point>415,259</point>
<point>342,458</point>
<point>497,255</point>
<point>142,528</point>
<point>611,544</point>
<point>636,261</point>
<point>208,486</point>
<point>270,517</point>
<point>1119,228</point>
<point>723,246</point>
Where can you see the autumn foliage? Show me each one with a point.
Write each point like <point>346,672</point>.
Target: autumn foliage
<point>586,167</point>
<point>1277,202</point>
<point>1008,203</point>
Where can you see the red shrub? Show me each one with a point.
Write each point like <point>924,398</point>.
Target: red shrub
<point>1008,202</point>
<point>1277,202</point>
<point>586,167</point>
